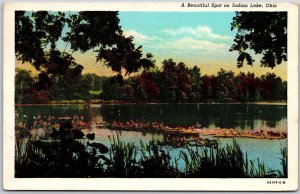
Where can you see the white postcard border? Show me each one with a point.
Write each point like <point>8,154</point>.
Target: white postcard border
<point>186,184</point>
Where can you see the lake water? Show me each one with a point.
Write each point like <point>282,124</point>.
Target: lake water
<point>237,116</point>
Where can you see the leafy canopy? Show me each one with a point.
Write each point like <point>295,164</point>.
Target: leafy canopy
<point>39,37</point>
<point>263,32</point>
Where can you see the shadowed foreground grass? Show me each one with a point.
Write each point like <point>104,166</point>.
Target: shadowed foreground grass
<point>70,153</point>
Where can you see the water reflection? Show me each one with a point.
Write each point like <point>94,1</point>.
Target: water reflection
<point>237,116</point>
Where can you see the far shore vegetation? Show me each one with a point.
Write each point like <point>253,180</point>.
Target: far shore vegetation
<point>173,83</point>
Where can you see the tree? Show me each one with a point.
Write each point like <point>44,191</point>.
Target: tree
<point>184,83</point>
<point>207,87</point>
<point>112,88</point>
<point>38,34</point>
<point>147,88</point>
<point>69,88</point>
<point>177,82</point>
<point>36,37</point>
<point>247,87</point>
<point>23,85</point>
<point>263,32</point>
<point>127,93</point>
<point>196,84</point>
<point>225,86</point>
<point>273,88</point>
<point>168,81</point>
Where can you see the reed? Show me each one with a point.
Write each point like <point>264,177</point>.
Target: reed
<point>156,161</point>
<point>214,162</point>
<point>123,158</point>
<point>35,158</point>
<point>221,162</point>
<point>283,161</point>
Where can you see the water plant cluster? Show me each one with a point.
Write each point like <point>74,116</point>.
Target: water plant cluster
<point>184,140</point>
<point>135,125</point>
<point>71,153</point>
<point>50,123</point>
<point>195,129</point>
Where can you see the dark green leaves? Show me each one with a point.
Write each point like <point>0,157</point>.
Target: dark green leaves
<point>125,55</point>
<point>242,57</point>
<point>43,37</point>
<point>28,45</point>
<point>262,32</point>
<point>93,29</point>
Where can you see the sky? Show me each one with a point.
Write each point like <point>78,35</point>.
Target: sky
<point>194,38</point>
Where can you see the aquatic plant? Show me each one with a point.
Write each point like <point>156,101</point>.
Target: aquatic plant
<point>223,162</point>
<point>283,161</point>
<point>156,161</point>
<point>63,156</point>
<point>67,156</point>
<point>123,159</point>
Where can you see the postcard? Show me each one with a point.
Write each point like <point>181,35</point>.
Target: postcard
<point>165,96</point>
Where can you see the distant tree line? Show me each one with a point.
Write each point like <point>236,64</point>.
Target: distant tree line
<point>173,83</point>
<point>82,87</point>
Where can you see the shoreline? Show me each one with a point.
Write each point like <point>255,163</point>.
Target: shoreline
<point>212,132</point>
<point>233,133</point>
<point>224,133</point>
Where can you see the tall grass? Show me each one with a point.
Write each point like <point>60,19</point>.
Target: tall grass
<point>156,162</point>
<point>283,161</point>
<point>221,162</point>
<point>215,162</point>
<point>35,158</point>
<point>123,158</point>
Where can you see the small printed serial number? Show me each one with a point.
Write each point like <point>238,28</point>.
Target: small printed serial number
<point>276,182</point>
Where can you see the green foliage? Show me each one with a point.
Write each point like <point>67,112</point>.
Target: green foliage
<point>284,162</point>
<point>263,32</point>
<point>175,82</point>
<point>196,90</point>
<point>38,35</point>
<point>158,86</point>
<point>66,157</point>
<point>225,86</point>
<point>70,88</point>
<point>23,85</point>
<point>156,162</point>
<point>123,158</point>
<point>221,162</point>
<point>93,81</point>
<point>95,94</point>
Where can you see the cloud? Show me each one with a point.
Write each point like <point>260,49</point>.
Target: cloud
<point>203,32</point>
<point>137,36</point>
<point>183,41</point>
<point>188,44</point>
